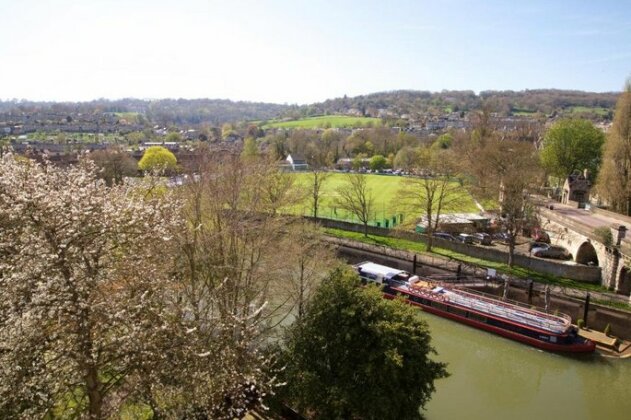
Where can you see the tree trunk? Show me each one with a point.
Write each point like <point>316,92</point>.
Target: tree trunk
<point>365,229</point>
<point>94,393</point>
<point>511,250</point>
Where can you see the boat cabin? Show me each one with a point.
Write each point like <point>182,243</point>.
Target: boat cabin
<point>381,274</point>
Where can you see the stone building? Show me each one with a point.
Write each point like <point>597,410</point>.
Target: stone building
<point>576,189</point>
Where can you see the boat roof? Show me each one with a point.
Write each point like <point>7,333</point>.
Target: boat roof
<point>509,311</point>
<point>379,269</point>
<point>496,308</point>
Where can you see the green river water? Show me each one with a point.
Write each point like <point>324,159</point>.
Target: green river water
<point>496,378</point>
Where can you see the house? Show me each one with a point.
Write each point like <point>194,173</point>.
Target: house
<point>170,145</point>
<point>456,223</point>
<point>297,163</point>
<point>576,189</point>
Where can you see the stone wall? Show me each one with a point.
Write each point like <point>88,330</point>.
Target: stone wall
<point>574,272</point>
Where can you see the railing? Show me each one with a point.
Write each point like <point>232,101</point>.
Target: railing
<point>515,311</point>
<point>489,304</point>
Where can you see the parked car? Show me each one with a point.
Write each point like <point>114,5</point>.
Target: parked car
<point>534,244</point>
<point>553,251</point>
<point>501,236</point>
<point>465,238</point>
<point>444,235</point>
<point>482,238</point>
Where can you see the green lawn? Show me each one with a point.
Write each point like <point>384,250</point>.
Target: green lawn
<point>603,112</point>
<point>336,121</point>
<point>384,189</point>
<point>523,112</point>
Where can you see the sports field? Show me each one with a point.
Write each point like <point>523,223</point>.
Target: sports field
<point>384,189</point>
<point>335,121</point>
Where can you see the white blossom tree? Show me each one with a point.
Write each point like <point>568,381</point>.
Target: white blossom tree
<point>84,281</point>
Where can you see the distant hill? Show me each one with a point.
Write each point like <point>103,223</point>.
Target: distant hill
<point>164,112</point>
<point>395,105</point>
<point>417,104</point>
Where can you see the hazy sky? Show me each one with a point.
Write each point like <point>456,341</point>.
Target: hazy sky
<point>299,51</point>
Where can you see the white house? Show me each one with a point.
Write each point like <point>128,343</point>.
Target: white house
<point>297,163</point>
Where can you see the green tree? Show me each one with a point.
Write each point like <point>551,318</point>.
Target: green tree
<point>250,149</point>
<point>173,137</point>
<point>443,142</point>
<point>378,162</point>
<point>157,158</point>
<point>357,355</point>
<point>572,145</point>
<point>406,158</point>
<point>226,130</point>
<point>614,181</point>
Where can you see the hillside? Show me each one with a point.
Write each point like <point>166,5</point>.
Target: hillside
<point>417,104</point>
<point>393,107</point>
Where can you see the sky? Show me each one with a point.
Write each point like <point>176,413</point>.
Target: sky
<point>301,51</point>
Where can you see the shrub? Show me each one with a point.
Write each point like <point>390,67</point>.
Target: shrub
<point>580,323</point>
<point>604,235</point>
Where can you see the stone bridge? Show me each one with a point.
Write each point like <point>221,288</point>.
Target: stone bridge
<point>574,230</point>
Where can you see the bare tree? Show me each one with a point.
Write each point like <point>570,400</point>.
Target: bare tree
<point>307,262</point>
<point>506,170</point>
<point>614,179</point>
<point>355,197</point>
<point>232,256</point>
<point>501,168</point>
<point>114,165</point>
<point>434,192</point>
<point>318,178</point>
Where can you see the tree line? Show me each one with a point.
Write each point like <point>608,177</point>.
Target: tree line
<point>389,105</point>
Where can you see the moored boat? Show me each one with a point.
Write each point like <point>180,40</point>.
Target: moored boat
<point>552,332</point>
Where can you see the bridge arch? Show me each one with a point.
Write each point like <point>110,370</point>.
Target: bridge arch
<point>586,254</point>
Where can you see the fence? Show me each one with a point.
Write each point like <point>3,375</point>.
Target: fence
<point>575,272</point>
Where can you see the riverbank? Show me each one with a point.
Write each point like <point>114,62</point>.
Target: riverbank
<point>608,346</point>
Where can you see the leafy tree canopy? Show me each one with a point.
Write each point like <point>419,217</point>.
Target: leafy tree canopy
<point>443,142</point>
<point>571,145</point>
<point>157,158</point>
<point>357,355</point>
<point>378,162</point>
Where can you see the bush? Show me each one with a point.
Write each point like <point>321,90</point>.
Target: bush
<point>604,235</point>
<point>580,323</point>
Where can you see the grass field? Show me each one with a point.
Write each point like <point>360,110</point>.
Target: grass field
<point>384,189</point>
<point>585,109</point>
<point>523,112</point>
<point>336,121</point>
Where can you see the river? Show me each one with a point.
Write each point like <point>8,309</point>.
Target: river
<point>496,378</point>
